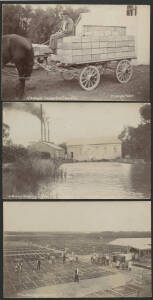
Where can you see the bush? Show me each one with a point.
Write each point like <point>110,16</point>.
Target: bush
<point>12,153</point>
<point>27,172</point>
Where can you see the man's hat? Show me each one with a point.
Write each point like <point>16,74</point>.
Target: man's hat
<point>64,12</point>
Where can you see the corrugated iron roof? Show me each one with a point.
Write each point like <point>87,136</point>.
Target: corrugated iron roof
<point>137,243</point>
<point>94,141</point>
<point>51,145</point>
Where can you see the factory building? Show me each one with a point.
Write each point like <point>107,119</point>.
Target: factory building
<point>47,148</point>
<point>94,149</point>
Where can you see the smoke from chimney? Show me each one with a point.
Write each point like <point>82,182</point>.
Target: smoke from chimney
<point>32,108</point>
<point>36,110</point>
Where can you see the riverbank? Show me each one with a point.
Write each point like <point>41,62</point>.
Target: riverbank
<point>22,177</point>
<point>120,160</point>
<point>47,179</point>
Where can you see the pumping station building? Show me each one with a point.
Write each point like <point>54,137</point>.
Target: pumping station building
<point>94,149</point>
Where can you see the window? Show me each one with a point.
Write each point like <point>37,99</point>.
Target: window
<point>45,155</point>
<point>131,10</point>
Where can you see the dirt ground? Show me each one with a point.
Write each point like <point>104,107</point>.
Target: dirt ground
<point>51,86</point>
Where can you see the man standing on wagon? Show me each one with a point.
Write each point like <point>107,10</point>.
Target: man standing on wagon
<point>66,29</point>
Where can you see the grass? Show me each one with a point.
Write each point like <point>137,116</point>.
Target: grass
<point>51,86</point>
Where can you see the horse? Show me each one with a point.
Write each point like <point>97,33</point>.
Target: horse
<point>18,50</point>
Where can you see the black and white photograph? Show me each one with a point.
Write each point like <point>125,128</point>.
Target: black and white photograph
<point>75,52</point>
<point>76,150</point>
<point>77,249</point>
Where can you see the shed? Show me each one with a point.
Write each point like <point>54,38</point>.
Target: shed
<point>52,149</point>
<point>139,246</point>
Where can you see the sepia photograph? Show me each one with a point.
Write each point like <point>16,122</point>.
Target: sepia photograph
<point>76,150</point>
<point>77,249</point>
<point>75,52</point>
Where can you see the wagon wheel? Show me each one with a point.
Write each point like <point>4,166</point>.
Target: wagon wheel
<point>89,78</point>
<point>124,71</point>
<point>67,75</point>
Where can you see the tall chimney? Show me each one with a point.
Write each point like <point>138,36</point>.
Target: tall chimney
<point>48,125</point>
<point>45,129</point>
<point>41,120</point>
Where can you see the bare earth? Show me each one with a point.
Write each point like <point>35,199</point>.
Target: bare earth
<point>77,290</point>
<point>51,86</point>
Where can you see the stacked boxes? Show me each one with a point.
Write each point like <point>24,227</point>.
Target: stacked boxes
<point>104,30</point>
<point>40,49</point>
<point>97,46</point>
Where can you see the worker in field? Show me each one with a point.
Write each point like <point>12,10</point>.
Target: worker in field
<point>118,264</point>
<point>76,259</point>
<point>38,265</point>
<point>17,267</point>
<point>130,265</point>
<point>76,275</point>
<point>66,29</point>
<point>64,258</point>
<point>107,260</point>
<point>20,266</point>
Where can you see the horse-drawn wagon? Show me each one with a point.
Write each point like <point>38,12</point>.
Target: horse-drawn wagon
<point>88,56</point>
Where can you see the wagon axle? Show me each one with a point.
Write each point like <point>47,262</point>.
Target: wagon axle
<point>89,75</point>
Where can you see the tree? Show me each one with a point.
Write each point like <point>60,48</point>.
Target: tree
<point>36,24</point>
<point>145,112</point>
<point>16,18</point>
<point>42,25</point>
<point>136,142</point>
<point>6,134</point>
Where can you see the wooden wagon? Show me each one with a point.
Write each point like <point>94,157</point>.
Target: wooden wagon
<point>86,57</point>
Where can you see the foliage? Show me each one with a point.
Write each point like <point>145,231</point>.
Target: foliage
<point>16,18</point>
<point>36,24</point>
<point>6,134</point>
<point>145,113</point>
<point>12,153</point>
<point>136,142</point>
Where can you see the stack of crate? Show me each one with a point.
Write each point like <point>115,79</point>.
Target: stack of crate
<point>95,45</point>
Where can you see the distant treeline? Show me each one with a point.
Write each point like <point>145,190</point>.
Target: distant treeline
<point>103,234</point>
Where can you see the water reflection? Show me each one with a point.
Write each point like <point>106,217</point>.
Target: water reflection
<point>98,180</point>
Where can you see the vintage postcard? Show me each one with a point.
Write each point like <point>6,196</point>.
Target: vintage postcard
<point>77,249</point>
<point>76,150</point>
<point>75,52</point>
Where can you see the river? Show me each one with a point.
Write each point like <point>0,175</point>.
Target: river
<point>99,180</point>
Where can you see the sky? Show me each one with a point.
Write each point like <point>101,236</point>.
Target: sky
<point>77,216</point>
<point>72,120</point>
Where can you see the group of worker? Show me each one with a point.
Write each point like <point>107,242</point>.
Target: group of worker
<point>124,265</point>
<point>109,261</point>
<point>19,267</point>
<point>71,258</point>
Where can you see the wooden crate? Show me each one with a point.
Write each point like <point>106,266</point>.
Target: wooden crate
<point>74,50</point>
<point>104,30</point>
